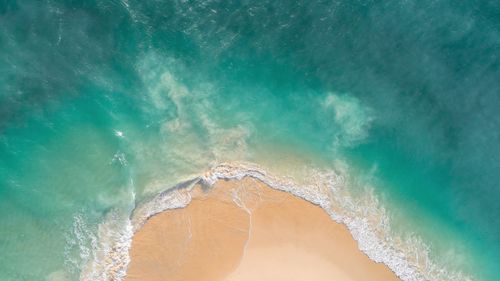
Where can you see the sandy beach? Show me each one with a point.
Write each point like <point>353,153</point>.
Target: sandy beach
<point>244,230</point>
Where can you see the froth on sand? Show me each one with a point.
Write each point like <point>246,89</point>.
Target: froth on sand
<point>245,230</point>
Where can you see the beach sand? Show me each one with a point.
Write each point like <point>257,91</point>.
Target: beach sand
<point>245,230</point>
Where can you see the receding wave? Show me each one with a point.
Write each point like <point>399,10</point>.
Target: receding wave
<point>364,216</point>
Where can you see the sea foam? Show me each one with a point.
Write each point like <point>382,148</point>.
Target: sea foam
<point>365,218</point>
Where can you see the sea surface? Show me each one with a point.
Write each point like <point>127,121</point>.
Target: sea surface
<point>391,107</point>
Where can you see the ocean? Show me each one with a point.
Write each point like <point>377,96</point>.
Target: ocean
<point>390,107</point>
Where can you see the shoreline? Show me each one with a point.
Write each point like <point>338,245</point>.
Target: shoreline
<point>364,218</point>
<point>246,230</point>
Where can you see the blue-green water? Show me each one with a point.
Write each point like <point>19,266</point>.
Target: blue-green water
<point>103,104</point>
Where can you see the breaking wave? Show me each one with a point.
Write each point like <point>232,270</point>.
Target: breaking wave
<point>365,218</point>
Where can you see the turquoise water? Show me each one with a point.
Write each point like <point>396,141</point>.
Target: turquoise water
<point>104,104</point>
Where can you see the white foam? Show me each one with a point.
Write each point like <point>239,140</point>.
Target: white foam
<point>364,217</point>
<point>169,199</point>
<point>104,255</point>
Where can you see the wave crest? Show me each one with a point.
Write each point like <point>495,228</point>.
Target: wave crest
<point>365,218</point>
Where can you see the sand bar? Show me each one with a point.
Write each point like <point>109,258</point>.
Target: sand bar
<point>244,230</point>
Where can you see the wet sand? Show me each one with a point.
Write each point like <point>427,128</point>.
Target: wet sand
<point>244,230</point>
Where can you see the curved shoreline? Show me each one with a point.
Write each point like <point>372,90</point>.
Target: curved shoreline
<point>364,218</point>
<point>244,230</point>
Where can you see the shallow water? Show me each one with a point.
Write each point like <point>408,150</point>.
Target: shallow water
<point>103,105</point>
